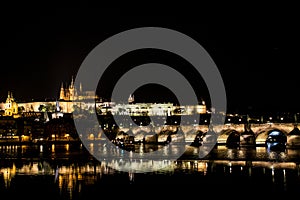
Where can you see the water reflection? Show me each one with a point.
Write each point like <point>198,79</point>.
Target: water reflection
<point>71,172</point>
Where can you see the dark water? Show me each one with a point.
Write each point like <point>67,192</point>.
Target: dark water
<point>70,172</point>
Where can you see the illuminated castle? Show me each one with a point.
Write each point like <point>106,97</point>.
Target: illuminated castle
<point>70,93</point>
<point>70,98</point>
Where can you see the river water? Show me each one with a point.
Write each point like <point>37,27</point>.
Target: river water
<point>70,171</point>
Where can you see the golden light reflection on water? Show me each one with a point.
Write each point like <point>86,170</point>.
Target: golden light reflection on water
<point>67,146</point>
<point>261,149</point>
<point>70,177</point>
<point>53,148</point>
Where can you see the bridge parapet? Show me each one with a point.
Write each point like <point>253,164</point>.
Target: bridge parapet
<point>256,128</point>
<point>190,131</point>
<point>284,127</point>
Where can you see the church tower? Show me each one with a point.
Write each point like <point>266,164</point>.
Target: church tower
<point>62,92</point>
<point>131,99</point>
<point>11,107</point>
<point>72,90</point>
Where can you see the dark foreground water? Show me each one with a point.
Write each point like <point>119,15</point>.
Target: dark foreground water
<point>68,171</point>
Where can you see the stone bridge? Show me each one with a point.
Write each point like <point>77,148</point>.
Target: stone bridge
<point>190,132</point>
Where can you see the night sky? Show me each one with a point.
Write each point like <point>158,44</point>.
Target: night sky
<point>256,52</point>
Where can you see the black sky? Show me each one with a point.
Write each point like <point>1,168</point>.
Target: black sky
<point>256,52</point>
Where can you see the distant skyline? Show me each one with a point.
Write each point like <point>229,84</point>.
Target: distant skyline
<point>257,57</point>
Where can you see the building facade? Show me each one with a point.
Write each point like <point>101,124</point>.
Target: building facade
<point>69,92</point>
<point>11,106</point>
<point>71,99</point>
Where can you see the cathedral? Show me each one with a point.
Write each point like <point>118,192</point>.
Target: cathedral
<point>70,92</point>
<point>71,98</point>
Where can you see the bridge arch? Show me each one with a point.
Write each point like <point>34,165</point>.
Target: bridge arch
<point>229,137</point>
<point>190,135</point>
<point>262,136</point>
<point>276,140</point>
<point>198,139</point>
<point>293,138</point>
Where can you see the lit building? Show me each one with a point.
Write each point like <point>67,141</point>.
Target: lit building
<point>11,107</point>
<point>71,99</point>
<point>151,109</point>
<point>131,99</point>
<point>57,113</point>
<point>70,92</point>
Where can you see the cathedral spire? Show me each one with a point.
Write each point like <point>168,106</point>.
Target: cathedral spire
<point>72,82</point>
<point>62,91</point>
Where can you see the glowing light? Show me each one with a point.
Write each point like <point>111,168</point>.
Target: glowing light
<point>275,133</point>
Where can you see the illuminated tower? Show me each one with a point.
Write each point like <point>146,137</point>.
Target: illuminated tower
<point>11,107</point>
<point>71,90</point>
<point>62,92</point>
<point>131,99</point>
